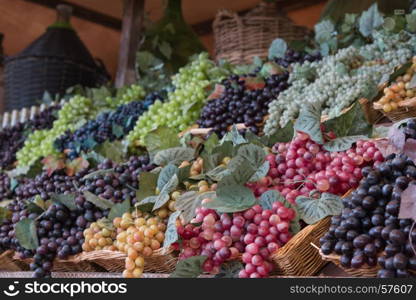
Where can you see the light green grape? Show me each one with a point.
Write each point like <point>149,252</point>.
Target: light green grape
<point>72,115</point>
<point>339,80</point>
<point>183,105</point>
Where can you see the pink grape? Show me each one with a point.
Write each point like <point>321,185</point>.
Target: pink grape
<point>252,248</point>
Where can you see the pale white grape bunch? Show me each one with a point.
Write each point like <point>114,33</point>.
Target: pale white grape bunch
<point>338,80</point>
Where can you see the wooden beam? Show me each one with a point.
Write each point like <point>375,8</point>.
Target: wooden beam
<point>83,13</point>
<point>201,28</point>
<point>133,16</point>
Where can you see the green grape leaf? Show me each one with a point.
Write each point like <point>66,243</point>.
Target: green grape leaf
<point>93,158</point>
<point>309,122</point>
<point>147,185</point>
<point>117,130</point>
<point>260,172</point>
<point>240,170</point>
<point>324,31</point>
<point>370,20</point>
<point>189,106</point>
<point>312,210</point>
<point>211,142</point>
<point>174,156</point>
<point>189,268</point>
<point>412,83</point>
<point>119,209</point>
<point>411,22</point>
<point>98,201</point>
<point>36,205</point>
<point>160,139</point>
<point>115,151</point>
<point>184,173</point>
<point>232,198</point>
<point>13,184</point>
<point>188,202</point>
<point>217,173</point>
<point>389,24</point>
<point>68,200</point>
<point>5,214</point>
<point>234,136</point>
<point>163,197</point>
<point>171,234</point>
<point>165,175</point>
<point>230,269</point>
<point>99,173</point>
<point>350,19</point>
<point>165,49</point>
<point>25,232</point>
<point>271,68</point>
<point>352,122</point>
<point>277,49</point>
<point>283,135</point>
<point>257,61</point>
<point>146,205</point>
<point>252,153</point>
<point>343,143</point>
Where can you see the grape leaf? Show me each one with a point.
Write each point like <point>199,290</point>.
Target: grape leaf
<point>254,83</point>
<point>76,165</point>
<point>174,156</point>
<point>342,143</point>
<point>171,234</point>
<point>117,130</point>
<point>217,92</point>
<point>114,151</point>
<point>283,135</point>
<point>119,209</point>
<point>147,185</point>
<point>163,197</point>
<point>234,136</point>
<point>232,198</point>
<point>230,269</point>
<point>309,122</point>
<point>160,139</point>
<point>412,83</point>
<point>5,214</point>
<point>165,175</point>
<point>146,205</point>
<point>411,22</point>
<point>189,268</point>
<point>53,163</point>
<point>271,68</point>
<point>25,232</point>
<point>98,201</point>
<point>99,173</point>
<point>217,173</point>
<point>408,203</point>
<point>312,210</point>
<point>324,31</point>
<point>184,173</point>
<point>67,200</point>
<point>189,201</point>
<point>370,20</point>
<point>211,142</point>
<point>260,172</point>
<point>277,49</point>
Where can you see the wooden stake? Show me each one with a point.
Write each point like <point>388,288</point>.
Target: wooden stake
<point>133,16</point>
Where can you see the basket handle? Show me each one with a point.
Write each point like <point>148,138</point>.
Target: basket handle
<point>64,13</point>
<point>224,14</point>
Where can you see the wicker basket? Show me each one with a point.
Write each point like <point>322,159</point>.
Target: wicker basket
<point>365,271</point>
<point>401,113</point>
<point>239,38</point>
<point>54,62</point>
<point>297,257</point>
<point>8,263</point>
<point>104,260</point>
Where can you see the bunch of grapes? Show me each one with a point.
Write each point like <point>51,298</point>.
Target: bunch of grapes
<point>400,93</point>
<point>125,95</point>
<point>409,129</point>
<point>72,115</point>
<point>183,104</point>
<point>336,81</point>
<point>138,235</point>
<point>369,232</point>
<point>241,104</point>
<point>300,166</point>
<point>13,137</point>
<point>96,132</point>
<point>5,187</point>
<point>99,236</point>
<point>253,234</point>
<point>292,56</point>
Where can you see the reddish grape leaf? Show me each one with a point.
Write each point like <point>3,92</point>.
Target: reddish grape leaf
<point>219,89</point>
<point>271,68</point>
<point>408,203</point>
<point>76,165</point>
<point>410,149</point>
<point>397,137</point>
<point>254,83</point>
<point>385,147</point>
<point>53,163</point>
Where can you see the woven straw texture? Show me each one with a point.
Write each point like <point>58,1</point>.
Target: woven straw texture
<point>401,113</point>
<point>297,257</point>
<point>239,38</point>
